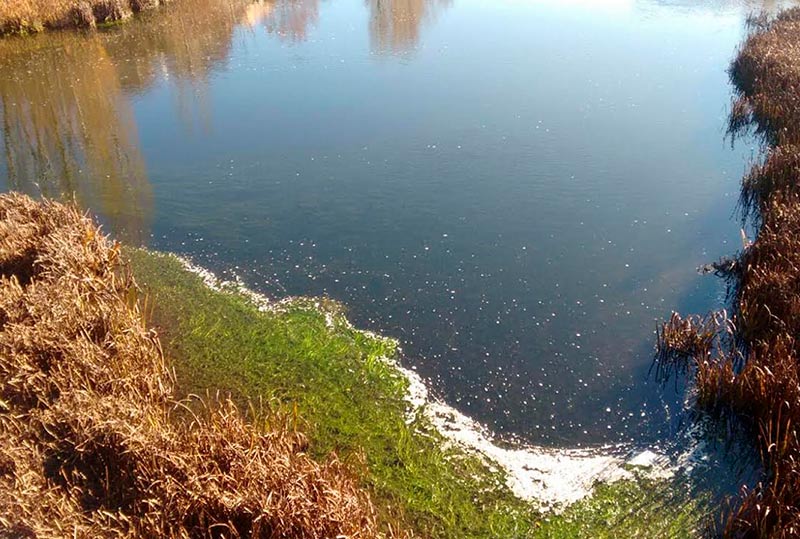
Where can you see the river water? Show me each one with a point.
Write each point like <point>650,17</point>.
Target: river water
<point>518,190</point>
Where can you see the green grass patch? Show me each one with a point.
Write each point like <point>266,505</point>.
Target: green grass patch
<point>351,402</point>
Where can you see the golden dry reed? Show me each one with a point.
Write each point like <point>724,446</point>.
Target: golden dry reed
<point>747,366</point>
<point>92,442</point>
<point>25,16</point>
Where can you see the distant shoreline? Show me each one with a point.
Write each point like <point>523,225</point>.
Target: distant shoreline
<point>19,17</point>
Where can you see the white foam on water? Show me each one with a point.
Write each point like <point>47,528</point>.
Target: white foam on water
<point>548,477</point>
<point>552,478</point>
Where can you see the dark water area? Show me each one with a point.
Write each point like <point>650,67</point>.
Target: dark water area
<point>517,190</point>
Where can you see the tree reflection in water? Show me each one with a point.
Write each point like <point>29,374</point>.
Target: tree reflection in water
<point>68,128</point>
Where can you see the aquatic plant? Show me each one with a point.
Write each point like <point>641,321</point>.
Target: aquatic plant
<point>93,442</point>
<point>298,358</point>
<point>753,378</point>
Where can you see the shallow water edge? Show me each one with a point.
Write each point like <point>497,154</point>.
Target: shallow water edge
<point>551,478</point>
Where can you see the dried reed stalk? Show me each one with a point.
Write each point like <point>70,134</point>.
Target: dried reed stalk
<point>92,443</point>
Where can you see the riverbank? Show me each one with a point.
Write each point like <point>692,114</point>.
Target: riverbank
<point>101,436</point>
<point>747,363</point>
<point>93,440</point>
<point>32,16</point>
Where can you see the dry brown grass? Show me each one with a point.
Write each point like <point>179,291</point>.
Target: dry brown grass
<point>24,16</point>
<point>92,443</point>
<point>753,378</point>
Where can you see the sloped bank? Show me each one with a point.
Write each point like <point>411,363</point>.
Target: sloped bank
<point>92,440</point>
<point>746,364</point>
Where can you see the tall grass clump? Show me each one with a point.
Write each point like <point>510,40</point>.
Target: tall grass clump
<point>27,16</point>
<point>92,440</point>
<point>747,367</point>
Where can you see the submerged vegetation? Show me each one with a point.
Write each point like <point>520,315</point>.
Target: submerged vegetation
<point>747,366</point>
<point>319,369</point>
<point>348,399</point>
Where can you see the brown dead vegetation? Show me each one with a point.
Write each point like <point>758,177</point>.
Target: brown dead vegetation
<point>748,368</point>
<point>92,443</point>
<point>25,16</point>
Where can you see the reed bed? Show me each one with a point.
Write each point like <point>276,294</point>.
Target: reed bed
<point>92,441</point>
<point>27,16</point>
<point>747,367</point>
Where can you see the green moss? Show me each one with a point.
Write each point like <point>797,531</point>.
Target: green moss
<point>352,403</point>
